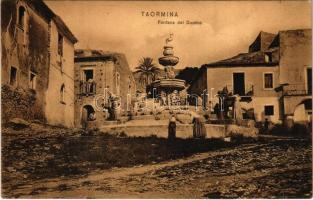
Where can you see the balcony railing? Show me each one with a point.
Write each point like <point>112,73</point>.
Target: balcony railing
<point>248,90</point>
<point>87,88</point>
<point>296,90</point>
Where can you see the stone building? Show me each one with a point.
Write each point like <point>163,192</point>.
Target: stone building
<point>273,80</point>
<point>37,64</point>
<point>99,75</point>
<point>295,73</point>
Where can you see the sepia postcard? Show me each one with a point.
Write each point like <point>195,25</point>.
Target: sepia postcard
<point>156,99</point>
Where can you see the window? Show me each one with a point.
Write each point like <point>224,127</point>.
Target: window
<point>88,75</point>
<point>268,80</point>
<point>32,80</point>
<point>60,44</point>
<point>268,57</point>
<point>21,36</point>
<point>88,85</point>
<point>62,94</point>
<point>269,110</point>
<point>13,76</point>
<point>21,17</point>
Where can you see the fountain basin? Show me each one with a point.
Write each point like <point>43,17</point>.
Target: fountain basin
<point>170,84</point>
<point>168,60</point>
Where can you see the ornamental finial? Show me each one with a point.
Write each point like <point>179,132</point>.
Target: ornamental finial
<point>168,40</point>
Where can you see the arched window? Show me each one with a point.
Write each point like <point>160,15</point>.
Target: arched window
<point>62,94</point>
<point>21,16</point>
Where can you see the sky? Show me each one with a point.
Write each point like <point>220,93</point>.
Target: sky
<point>227,29</point>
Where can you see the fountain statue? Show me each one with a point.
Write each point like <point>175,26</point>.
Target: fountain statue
<point>168,88</point>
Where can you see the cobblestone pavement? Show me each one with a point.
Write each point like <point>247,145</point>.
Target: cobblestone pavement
<point>275,168</point>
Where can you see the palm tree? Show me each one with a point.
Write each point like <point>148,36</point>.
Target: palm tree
<point>147,70</point>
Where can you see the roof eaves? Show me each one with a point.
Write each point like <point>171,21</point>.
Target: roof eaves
<point>64,29</point>
<point>83,58</point>
<point>47,13</point>
<point>229,65</point>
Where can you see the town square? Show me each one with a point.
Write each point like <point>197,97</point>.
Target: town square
<point>156,99</point>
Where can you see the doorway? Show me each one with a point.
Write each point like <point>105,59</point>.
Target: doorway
<point>87,112</point>
<point>239,83</point>
<point>88,74</point>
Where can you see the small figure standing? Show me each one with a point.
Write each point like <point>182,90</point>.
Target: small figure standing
<point>266,125</point>
<point>84,119</point>
<point>92,116</point>
<point>172,128</point>
<point>199,130</point>
<point>90,86</point>
<point>163,97</point>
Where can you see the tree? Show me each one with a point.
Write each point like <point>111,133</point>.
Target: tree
<point>188,74</point>
<point>147,71</point>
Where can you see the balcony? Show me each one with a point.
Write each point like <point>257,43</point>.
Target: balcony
<point>246,91</point>
<point>296,90</point>
<point>87,88</point>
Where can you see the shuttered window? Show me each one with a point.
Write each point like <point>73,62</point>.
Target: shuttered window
<point>268,80</point>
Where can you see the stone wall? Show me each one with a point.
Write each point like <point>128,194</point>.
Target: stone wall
<point>182,130</point>
<point>295,56</point>
<point>106,72</point>
<point>20,103</point>
<point>295,59</point>
<point>127,81</point>
<point>61,74</point>
<point>26,50</point>
<point>292,102</point>
<point>103,76</point>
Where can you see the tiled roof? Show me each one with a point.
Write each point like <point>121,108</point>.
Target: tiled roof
<point>262,42</point>
<point>79,53</point>
<point>255,58</point>
<point>94,55</point>
<point>248,59</point>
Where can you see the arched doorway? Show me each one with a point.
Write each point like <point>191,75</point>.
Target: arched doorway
<point>87,115</point>
<point>303,111</point>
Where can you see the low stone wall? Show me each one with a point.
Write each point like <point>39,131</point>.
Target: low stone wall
<point>233,129</point>
<point>182,130</point>
<point>20,103</point>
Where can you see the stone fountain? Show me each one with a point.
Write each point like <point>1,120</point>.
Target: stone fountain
<point>168,88</point>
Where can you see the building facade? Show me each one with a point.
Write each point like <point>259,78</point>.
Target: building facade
<point>37,61</point>
<point>295,70</point>
<point>272,80</point>
<point>99,75</point>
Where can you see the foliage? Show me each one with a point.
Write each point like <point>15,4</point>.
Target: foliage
<point>188,74</point>
<point>147,70</point>
<point>19,103</point>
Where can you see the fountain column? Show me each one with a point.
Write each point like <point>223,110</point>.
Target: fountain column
<point>169,85</point>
